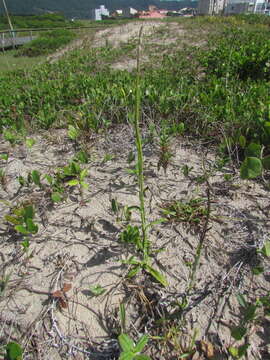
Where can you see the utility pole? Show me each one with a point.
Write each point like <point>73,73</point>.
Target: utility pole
<point>9,22</point>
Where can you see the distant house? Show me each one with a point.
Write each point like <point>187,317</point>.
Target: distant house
<point>153,13</point>
<point>97,14</point>
<point>129,12</point>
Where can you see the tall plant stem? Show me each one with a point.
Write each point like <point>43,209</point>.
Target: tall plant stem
<point>139,149</point>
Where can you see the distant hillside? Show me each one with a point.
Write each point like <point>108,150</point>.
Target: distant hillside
<point>82,8</point>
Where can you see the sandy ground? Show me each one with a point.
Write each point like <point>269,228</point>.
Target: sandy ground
<point>78,244</point>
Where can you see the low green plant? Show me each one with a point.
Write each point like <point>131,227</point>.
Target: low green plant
<point>30,142</point>
<point>254,162</point>
<point>165,153</point>
<point>191,212</point>
<point>47,43</point>
<point>130,350</point>
<point>97,290</point>
<point>22,218</point>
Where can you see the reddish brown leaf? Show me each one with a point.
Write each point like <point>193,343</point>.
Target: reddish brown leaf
<point>66,287</point>
<point>63,303</point>
<point>57,294</point>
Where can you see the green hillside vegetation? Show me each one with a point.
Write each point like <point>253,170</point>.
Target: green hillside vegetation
<point>36,21</point>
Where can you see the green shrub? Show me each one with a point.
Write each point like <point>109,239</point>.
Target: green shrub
<point>240,53</point>
<point>47,43</point>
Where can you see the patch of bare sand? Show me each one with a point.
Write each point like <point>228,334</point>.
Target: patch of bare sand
<point>78,244</point>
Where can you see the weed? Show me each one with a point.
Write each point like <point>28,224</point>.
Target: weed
<point>22,218</point>
<point>164,150</point>
<point>192,212</point>
<point>130,350</point>
<point>132,233</point>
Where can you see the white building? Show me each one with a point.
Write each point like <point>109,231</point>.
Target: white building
<point>129,12</point>
<point>98,13</point>
<point>211,7</point>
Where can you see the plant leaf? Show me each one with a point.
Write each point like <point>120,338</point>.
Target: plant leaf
<point>238,332</point>
<point>266,249</point>
<point>253,150</point>
<point>127,356</point>
<point>258,270</point>
<point>21,229</point>
<point>73,182</point>
<point>141,344</point>
<point>97,290</point>
<point>141,357</point>
<point>157,275</point>
<point>36,177</point>
<point>266,162</point>
<point>233,351</point>
<point>14,351</point>
<point>241,300</point>
<point>30,142</point>
<point>134,271</point>
<point>242,350</point>
<point>126,343</point>
<point>251,168</point>
<point>56,197</point>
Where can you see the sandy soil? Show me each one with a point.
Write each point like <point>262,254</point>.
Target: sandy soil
<point>78,244</point>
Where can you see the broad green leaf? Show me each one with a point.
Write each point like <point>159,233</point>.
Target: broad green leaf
<point>97,290</point>
<point>14,351</point>
<point>56,197</point>
<point>126,343</point>
<point>253,150</point>
<point>251,168</point>
<point>266,249</point>
<point>29,212</point>
<point>36,177</point>
<point>126,356</point>
<point>31,227</point>
<point>49,178</point>
<point>238,332</point>
<point>266,162</point>
<point>157,275</point>
<point>233,351</point>
<point>242,141</point>
<point>73,182</point>
<point>141,344</point>
<point>242,350</point>
<point>21,229</point>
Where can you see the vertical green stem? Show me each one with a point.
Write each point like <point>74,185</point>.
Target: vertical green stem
<point>139,149</point>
